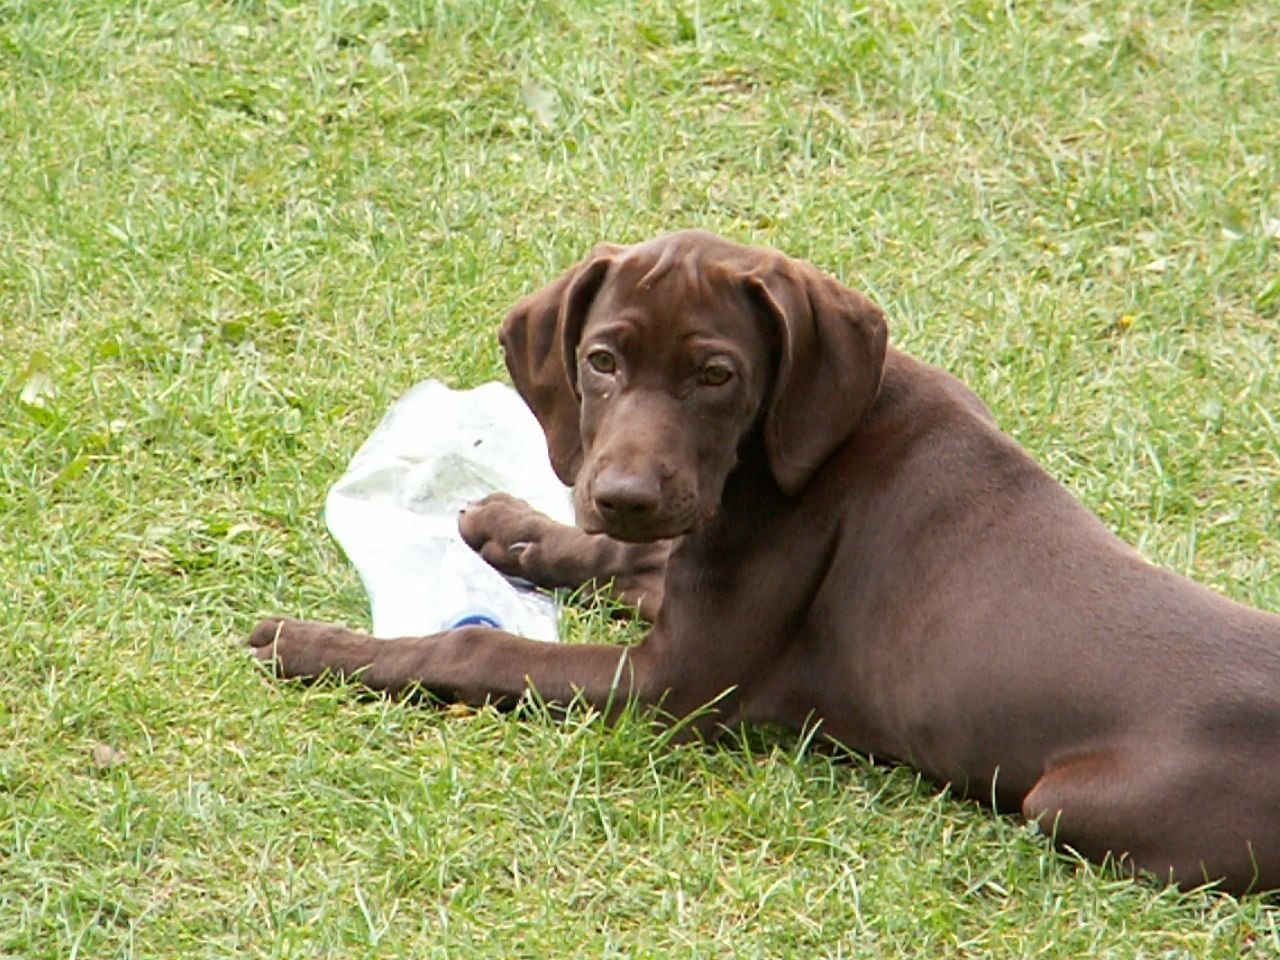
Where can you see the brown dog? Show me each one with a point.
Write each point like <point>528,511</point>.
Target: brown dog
<point>822,529</point>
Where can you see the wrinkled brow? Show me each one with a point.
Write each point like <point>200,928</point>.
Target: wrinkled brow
<point>668,259</point>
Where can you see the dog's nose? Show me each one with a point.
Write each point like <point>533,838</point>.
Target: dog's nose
<point>626,496</point>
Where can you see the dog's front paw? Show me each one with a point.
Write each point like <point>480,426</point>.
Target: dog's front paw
<point>303,649</point>
<point>505,531</point>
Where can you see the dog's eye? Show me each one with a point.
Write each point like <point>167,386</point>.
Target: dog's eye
<point>715,375</point>
<point>602,361</point>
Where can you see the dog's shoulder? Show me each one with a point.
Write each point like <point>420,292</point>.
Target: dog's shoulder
<point>928,427</point>
<point>921,391</point>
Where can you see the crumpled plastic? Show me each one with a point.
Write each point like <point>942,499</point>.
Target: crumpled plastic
<point>395,511</point>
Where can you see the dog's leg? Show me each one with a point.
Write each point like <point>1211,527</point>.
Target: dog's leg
<point>474,665</point>
<point>1158,809</point>
<point>519,541</point>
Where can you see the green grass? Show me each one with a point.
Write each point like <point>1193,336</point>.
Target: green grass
<point>232,232</point>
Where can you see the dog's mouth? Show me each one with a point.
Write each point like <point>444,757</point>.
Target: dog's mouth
<point>635,531</point>
<point>637,526</point>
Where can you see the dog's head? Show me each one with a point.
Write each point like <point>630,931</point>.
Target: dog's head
<point>648,366</point>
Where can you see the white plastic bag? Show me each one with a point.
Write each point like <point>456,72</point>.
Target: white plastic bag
<point>395,511</point>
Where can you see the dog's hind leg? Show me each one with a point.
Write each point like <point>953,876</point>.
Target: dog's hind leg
<point>1156,808</point>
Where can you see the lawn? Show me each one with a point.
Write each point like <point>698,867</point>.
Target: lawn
<point>231,233</point>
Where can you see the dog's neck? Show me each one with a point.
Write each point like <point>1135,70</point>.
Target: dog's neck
<point>750,488</point>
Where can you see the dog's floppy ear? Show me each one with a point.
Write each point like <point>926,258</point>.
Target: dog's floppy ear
<point>539,340</point>
<point>833,343</point>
